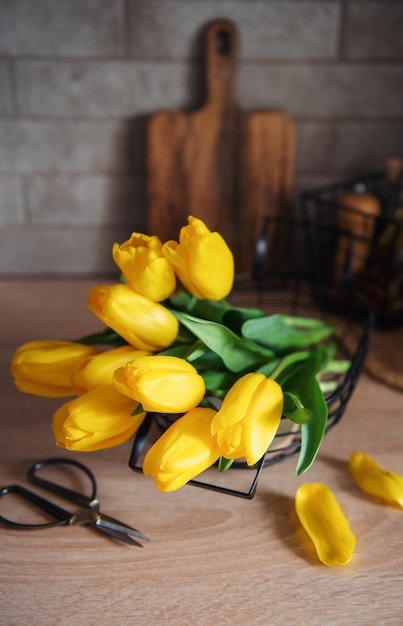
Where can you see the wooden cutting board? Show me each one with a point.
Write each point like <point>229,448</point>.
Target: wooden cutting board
<point>228,167</point>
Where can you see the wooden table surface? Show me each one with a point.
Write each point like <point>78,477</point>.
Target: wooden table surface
<point>212,558</point>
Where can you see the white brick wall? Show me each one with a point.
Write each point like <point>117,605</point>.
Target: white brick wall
<point>79,77</point>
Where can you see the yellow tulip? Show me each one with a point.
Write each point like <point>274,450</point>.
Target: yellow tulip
<point>144,267</point>
<point>101,418</point>
<point>185,450</point>
<point>375,481</point>
<point>97,371</point>
<point>161,384</point>
<point>144,324</point>
<point>44,368</point>
<point>202,261</point>
<point>324,521</point>
<point>249,417</point>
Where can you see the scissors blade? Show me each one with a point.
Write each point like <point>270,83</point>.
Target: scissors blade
<point>118,535</point>
<point>106,521</point>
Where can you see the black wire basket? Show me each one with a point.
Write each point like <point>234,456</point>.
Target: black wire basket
<point>283,283</point>
<point>356,250</point>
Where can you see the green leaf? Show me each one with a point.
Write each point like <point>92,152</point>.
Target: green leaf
<point>206,309</point>
<point>179,351</point>
<point>184,336</point>
<point>237,354</point>
<point>301,382</point>
<point>282,332</point>
<point>336,366</point>
<point>221,311</point>
<point>328,386</point>
<point>294,409</point>
<point>218,382</point>
<point>235,317</point>
<point>208,361</point>
<point>105,337</point>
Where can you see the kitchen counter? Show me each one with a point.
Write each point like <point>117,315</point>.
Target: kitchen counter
<point>211,558</point>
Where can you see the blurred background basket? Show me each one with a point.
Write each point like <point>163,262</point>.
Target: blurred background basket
<point>358,226</point>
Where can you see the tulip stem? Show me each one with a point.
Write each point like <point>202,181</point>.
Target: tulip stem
<point>289,360</point>
<point>224,464</point>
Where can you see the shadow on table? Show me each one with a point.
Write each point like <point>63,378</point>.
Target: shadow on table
<point>283,519</point>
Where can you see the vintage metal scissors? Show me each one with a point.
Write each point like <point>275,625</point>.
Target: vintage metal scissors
<point>104,523</point>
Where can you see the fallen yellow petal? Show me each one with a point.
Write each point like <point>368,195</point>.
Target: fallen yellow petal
<point>372,479</point>
<point>324,521</point>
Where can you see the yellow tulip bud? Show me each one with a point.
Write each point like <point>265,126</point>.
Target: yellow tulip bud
<point>101,418</point>
<point>44,368</point>
<point>375,481</point>
<point>324,521</point>
<point>144,267</point>
<point>185,450</point>
<point>144,324</point>
<point>202,261</point>
<point>98,370</point>
<point>162,384</point>
<point>249,417</point>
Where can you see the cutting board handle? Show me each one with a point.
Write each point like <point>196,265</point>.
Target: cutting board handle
<point>221,50</point>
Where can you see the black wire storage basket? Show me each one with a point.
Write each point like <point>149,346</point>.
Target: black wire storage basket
<point>282,281</point>
<point>359,251</point>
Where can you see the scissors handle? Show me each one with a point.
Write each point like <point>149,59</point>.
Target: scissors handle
<point>65,492</point>
<point>63,517</point>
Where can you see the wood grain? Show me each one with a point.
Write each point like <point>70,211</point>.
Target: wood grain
<point>211,559</point>
<point>226,166</point>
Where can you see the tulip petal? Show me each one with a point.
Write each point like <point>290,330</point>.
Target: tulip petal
<point>98,370</point>
<point>185,450</point>
<point>211,252</point>
<point>236,402</point>
<point>44,368</point>
<point>144,324</point>
<point>258,435</point>
<point>202,261</point>
<point>162,384</point>
<point>376,481</point>
<point>144,267</point>
<point>324,521</point>
<point>249,417</point>
<point>99,419</point>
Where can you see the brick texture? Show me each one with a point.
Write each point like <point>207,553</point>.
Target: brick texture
<point>11,201</point>
<point>85,201</point>
<point>374,31</point>
<point>326,91</point>
<point>78,79</point>
<point>57,250</point>
<point>74,28</point>
<point>93,89</point>
<point>30,146</point>
<point>267,30</point>
<point>6,89</point>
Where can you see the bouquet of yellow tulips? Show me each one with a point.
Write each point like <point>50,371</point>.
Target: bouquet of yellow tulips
<point>173,344</point>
